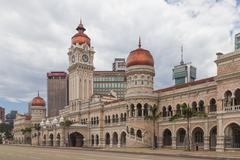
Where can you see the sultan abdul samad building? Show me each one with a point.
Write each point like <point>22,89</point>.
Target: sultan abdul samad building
<point>105,121</point>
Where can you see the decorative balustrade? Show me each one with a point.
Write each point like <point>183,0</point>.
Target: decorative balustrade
<point>232,108</point>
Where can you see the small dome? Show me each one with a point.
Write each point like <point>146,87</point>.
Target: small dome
<point>55,121</point>
<point>38,101</point>
<point>81,37</point>
<point>48,123</point>
<point>140,56</point>
<point>42,123</point>
<point>61,119</point>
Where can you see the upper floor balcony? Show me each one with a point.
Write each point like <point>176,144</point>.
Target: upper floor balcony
<point>231,101</point>
<point>235,108</point>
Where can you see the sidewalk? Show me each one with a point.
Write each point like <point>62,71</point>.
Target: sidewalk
<point>234,155</point>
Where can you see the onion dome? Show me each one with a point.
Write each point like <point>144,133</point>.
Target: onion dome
<point>81,37</point>
<point>38,101</point>
<point>42,123</point>
<point>140,56</point>
<point>48,123</point>
<point>55,121</point>
<point>61,119</point>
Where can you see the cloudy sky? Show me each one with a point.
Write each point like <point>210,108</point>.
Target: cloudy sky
<point>35,36</point>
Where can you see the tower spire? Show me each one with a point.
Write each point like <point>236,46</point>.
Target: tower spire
<point>139,42</point>
<point>182,62</point>
<point>80,21</point>
<point>80,27</point>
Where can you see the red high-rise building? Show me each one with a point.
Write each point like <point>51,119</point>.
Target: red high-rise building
<point>2,114</point>
<point>57,92</point>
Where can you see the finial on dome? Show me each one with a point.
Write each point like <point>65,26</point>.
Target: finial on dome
<point>38,93</point>
<point>139,42</point>
<point>80,27</point>
<point>182,62</point>
<point>80,21</point>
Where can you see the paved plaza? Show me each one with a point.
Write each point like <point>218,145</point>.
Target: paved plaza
<point>8,152</point>
<point>34,153</point>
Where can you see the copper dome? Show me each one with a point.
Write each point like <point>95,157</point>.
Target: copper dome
<point>38,101</point>
<point>140,56</point>
<point>81,37</point>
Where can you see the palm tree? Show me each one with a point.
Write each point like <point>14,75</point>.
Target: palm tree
<point>66,124</point>
<point>37,127</point>
<point>187,113</point>
<point>26,130</point>
<point>153,116</point>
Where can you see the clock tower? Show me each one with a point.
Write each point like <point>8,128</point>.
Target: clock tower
<point>81,67</point>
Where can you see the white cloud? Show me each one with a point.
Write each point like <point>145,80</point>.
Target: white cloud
<point>35,36</point>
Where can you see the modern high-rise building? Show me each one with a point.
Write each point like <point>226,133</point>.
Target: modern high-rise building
<point>2,114</point>
<point>119,64</point>
<point>184,72</point>
<point>11,116</point>
<point>57,92</point>
<point>237,41</point>
<point>106,81</point>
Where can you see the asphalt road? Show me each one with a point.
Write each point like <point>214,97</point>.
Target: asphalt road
<point>33,153</point>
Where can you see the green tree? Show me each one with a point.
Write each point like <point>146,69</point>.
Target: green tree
<point>1,139</point>
<point>7,130</point>
<point>66,123</point>
<point>153,116</point>
<point>187,113</point>
<point>37,127</point>
<point>26,130</point>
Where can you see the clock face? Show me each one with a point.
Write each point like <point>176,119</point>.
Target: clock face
<point>73,58</point>
<point>85,58</point>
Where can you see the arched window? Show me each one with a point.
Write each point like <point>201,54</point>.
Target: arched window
<point>132,111</point>
<point>113,118</point>
<point>181,135</point>
<point>139,133</point>
<point>97,140</point>
<point>198,135</point>
<point>92,140</point>
<point>132,131</point>
<point>139,110</point>
<point>125,117</point>
<point>97,120</point>
<point>194,106</point>
<point>92,120</point>
<point>145,110</point>
<point>109,119</point>
<point>237,97</point>
<point>107,138</point>
<point>121,117</point>
<point>201,106</point>
<point>106,121</point>
<point>178,109</point>
<point>228,99</point>
<point>212,105</point>
<point>164,111</point>
<point>170,110</point>
<point>167,137</point>
<point>115,138</point>
<point>116,120</point>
